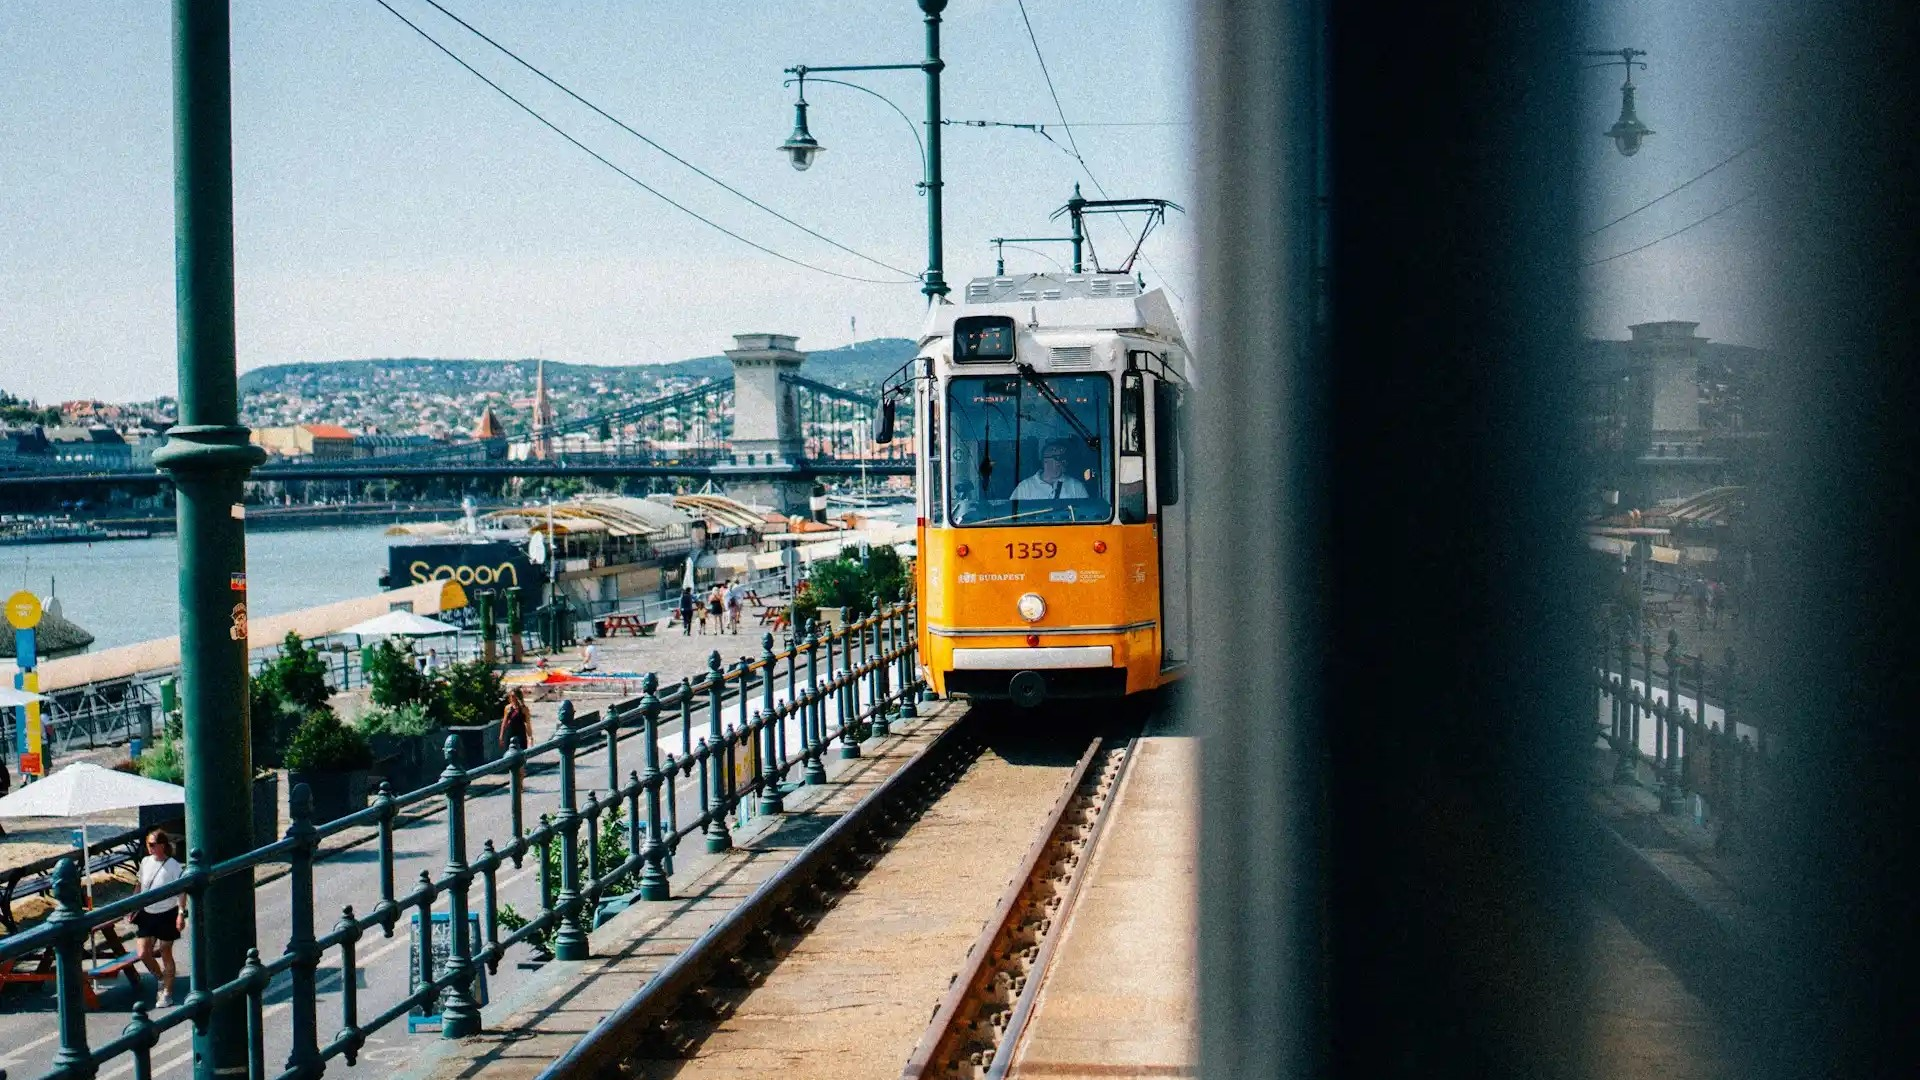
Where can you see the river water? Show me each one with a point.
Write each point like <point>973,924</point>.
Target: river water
<point>126,591</point>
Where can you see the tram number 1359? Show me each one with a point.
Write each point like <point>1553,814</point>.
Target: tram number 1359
<point>1024,550</point>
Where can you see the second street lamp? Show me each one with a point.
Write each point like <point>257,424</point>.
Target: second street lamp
<point>801,147</point>
<point>1627,132</point>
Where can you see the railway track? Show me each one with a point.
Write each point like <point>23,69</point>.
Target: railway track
<point>937,894</point>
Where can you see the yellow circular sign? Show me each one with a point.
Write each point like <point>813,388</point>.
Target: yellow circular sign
<point>23,610</point>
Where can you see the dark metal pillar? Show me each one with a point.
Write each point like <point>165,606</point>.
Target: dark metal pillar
<point>1385,880</point>
<point>936,284</point>
<point>208,457</point>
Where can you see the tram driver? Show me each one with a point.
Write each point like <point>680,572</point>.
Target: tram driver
<point>1051,482</point>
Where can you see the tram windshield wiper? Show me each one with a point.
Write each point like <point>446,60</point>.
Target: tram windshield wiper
<point>1060,406</point>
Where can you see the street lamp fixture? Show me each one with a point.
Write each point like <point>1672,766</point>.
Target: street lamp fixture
<point>1627,132</point>
<point>801,147</point>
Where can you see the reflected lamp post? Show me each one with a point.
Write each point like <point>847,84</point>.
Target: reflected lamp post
<point>801,147</point>
<point>1627,132</point>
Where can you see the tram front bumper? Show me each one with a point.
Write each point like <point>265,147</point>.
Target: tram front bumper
<point>1029,676</point>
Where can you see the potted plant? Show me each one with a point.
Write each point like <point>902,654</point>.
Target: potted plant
<point>472,699</point>
<point>333,760</point>
<point>404,745</point>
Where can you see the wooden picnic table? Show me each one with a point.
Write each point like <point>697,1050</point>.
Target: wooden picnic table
<point>42,967</point>
<point>622,623</point>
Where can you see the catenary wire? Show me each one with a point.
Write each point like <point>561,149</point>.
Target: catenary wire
<point>622,125</point>
<point>636,181</point>
<point>1077,156</point>
<point>1728,160</point>
<point>1674,233</point>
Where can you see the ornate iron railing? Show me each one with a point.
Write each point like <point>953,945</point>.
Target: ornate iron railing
<point>841,687</point>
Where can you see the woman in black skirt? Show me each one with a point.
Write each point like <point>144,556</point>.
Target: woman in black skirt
<point>158,925</point>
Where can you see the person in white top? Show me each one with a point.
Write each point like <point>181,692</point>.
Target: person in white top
<point>589,656</point>
<point>157,925</point>
<point>1052,481</point>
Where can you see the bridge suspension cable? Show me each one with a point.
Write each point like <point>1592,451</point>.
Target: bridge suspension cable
<point>636,181</point>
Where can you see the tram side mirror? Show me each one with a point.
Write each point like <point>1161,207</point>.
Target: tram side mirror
<point>883,422</point>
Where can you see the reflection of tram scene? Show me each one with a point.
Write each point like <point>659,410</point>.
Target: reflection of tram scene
<point>1054,536</point>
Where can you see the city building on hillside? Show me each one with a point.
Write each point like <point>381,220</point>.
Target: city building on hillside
<point>316,442</point>
<point>366,446</point>
<point>97,447</point>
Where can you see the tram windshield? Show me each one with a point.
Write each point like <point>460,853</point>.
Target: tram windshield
<point>1027,448</point>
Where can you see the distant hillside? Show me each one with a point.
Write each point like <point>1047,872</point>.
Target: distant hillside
<point>864,363</point>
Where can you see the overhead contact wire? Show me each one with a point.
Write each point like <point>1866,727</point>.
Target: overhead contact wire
<point>1674,233</point>
<point>636,181</point>
<point>622,125</point>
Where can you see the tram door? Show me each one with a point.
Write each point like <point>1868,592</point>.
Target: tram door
<point>1170,497</point>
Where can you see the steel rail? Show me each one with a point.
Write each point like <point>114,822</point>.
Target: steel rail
<point>627,1029</point>
<point>951,1034</point>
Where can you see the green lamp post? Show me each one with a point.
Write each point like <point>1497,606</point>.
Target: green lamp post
<point>1627,132</point>
<point>801,147</point>
<point>208,457</point>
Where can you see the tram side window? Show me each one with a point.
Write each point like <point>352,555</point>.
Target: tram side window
<point>1166,473</point>
<point>1133,449</point>
<point>936,462</point>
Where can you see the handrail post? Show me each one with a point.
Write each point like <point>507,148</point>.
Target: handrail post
<point>770,800</point>
<point>571,941</point>
<point>1670,767</point>
<point>70,915</point>
<point>1624,751</point>
<point>719,839</point>
<point>653,877</point>
<point>907,709</point>
<point>304,1058</point>
<point>849,682</point>
<point>882,641</point>
<point>686,719</point>
<point>813,723</point>
<point>459,1015</point>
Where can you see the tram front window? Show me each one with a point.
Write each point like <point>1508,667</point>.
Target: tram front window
<point>1027,449</point>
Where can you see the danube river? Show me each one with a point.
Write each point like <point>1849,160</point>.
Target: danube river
<point>124,591</point>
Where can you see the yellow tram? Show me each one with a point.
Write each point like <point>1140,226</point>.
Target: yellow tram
<point>1052,525</point>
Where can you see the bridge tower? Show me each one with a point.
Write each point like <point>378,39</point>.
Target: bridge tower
<point>766,422</point>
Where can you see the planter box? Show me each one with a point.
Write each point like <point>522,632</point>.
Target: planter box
<point>335,794</point>
<point>479,744</point>
<point>266,809</point>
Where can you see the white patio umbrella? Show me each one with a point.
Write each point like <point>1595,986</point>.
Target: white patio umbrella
<point>83,788</point>
<point>9,696</point>
<point>401,624</point>
<point>689,581</point>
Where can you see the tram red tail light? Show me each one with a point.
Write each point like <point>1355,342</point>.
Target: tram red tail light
<point>1033,639</point>
<point>960,550</point>
<point>1099,547</point>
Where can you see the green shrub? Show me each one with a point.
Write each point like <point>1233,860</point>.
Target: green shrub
<point>393,670</point>
<point>844,583</point>
<point>611,846</point>
<point>403,720</point>
<point>323,744</point>
<point>163,762</point>
<point>301,674</point>
<point>473,693</point>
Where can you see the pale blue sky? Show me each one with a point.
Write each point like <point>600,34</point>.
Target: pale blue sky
<point>389,204</point>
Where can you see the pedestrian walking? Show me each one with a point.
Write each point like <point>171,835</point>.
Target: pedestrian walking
<point>1716,599</point>
<point>516,722</point>
<point>736,599</point>
<point>1700,605</point>
<point>686,611</point>
<point>157,926</point>
<point>717,607</point>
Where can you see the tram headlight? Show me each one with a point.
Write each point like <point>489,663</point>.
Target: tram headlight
<point>1032,607</point>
